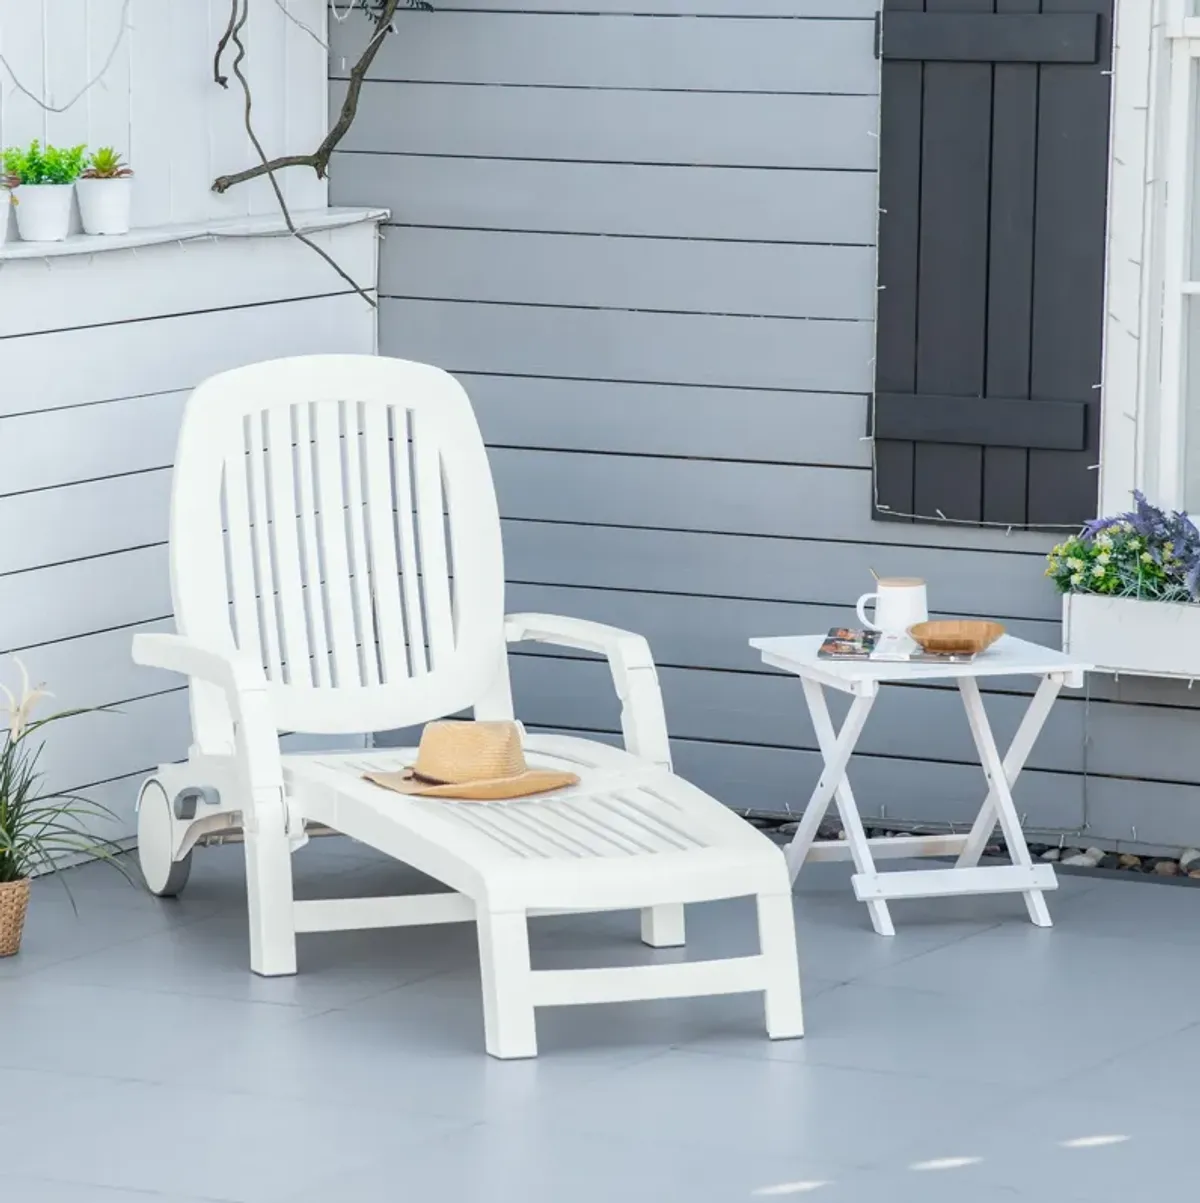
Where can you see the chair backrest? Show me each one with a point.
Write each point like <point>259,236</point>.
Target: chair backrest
<point>334,516</point>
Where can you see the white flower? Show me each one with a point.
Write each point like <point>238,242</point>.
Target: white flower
<point>1074,562</point>
<point>1104,540</point>
<point>1103,558</point>
<point>1077,578</point>
<point>19,709</point>
<point>1098,570</point>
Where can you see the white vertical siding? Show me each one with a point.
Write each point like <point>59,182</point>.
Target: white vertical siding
<point>157,101</point>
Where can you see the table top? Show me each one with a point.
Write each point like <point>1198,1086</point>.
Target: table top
<point>1008,656</point>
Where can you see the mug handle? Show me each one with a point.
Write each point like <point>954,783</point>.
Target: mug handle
<point>862,610</point>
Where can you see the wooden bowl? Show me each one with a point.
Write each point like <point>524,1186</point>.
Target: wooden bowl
<point>961,635</point>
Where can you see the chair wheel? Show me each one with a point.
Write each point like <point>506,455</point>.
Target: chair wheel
<point>164,876</point>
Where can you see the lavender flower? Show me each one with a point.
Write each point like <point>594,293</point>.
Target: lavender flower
<point>1145,552</point>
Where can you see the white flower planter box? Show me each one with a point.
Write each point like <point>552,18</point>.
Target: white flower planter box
<point>1127,635</point>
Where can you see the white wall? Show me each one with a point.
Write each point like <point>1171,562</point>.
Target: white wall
<point>158,103</point>
<point>99,350</point>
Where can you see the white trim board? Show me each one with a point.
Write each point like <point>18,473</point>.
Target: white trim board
<point>249,226</point>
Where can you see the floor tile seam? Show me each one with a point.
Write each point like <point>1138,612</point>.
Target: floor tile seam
<point>149,1195</point>
<point>107,947</point>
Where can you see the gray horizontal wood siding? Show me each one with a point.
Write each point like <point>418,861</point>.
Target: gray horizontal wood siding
<point>647,247</point>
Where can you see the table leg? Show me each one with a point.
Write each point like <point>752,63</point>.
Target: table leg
<point>1014,761</point>
<point>1001,775</point>
<point>836,750</point>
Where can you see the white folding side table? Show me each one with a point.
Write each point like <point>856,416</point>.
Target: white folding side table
<point>861,679</point>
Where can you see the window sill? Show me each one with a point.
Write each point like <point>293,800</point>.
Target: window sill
<point>264,225</point>
<point>1126,635</point>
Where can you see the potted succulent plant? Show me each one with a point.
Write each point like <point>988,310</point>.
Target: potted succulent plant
<point>105,190</point>
<point>38,827</point>
<point>42,182</point>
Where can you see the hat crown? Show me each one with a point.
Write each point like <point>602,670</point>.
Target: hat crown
<point>456,753</point>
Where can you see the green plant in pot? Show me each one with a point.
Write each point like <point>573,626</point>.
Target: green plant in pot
<point>105,191</point>
<point>42,180</point>
<point>38,827</point>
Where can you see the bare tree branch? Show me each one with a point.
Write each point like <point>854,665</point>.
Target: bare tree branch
<point>218,76</point>
<point>268,167</point>
<point>319,159</point>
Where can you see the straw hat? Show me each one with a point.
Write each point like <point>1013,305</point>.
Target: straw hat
<point>481,762</point>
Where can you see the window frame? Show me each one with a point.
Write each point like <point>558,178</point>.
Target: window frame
<point>1152,240</point>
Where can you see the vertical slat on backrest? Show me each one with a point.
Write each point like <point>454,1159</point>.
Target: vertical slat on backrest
<point>381,537</point>
<point>241,556</point>
<point>431,527</point>
<point>331,520</point>
<point>289,579</point>
<point>311,545</point>
<point>409,579</point>
<point>356,520</point>
<point>260,534</point>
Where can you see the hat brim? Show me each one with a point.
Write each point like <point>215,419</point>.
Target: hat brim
<point>498,789</point>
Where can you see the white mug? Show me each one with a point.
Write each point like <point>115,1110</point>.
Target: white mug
<point>899,604</point>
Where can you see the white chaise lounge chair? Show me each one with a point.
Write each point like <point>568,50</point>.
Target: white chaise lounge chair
<point>336,567</point>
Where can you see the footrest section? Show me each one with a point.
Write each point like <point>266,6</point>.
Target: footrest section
<point>928,883</point>
<point>636,983</point>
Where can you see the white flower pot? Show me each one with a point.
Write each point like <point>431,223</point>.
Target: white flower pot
<point>5,206</point>
<point>1129,635</point>
<point>43,211</point>
<point>104,205</point>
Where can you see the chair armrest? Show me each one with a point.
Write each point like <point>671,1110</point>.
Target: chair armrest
<point>243,683</point>
<point>643,720</point>
<point>234,673</point>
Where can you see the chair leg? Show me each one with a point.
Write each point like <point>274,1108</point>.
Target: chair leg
<point>508,1021</point>
<point>777,941</point>
<point>663,926</point>
<point>271,903</point>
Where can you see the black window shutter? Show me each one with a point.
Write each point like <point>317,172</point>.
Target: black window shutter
<point>993,185</point>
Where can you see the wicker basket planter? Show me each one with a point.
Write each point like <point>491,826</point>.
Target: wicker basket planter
<point>14,902</point>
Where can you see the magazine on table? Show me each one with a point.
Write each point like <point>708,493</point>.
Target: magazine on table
<point>846,643</point>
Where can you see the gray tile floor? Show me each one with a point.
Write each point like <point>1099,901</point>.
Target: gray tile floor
<point>971,1059</point>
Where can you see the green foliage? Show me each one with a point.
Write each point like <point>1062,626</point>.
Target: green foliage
<point>1145,553</point>
<point>43,165</point>
<point>105,164</point>
<point>1119,562</point>
<point>37,828</point>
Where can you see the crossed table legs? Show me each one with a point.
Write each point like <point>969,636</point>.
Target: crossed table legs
<point>967,876</point>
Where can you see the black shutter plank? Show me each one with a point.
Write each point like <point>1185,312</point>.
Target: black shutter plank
<point>899,240</point>
<point>982,421</point>
<point>1005,484</point>
<point>893,481</point>
<point>1010,269</point>
<point>1068,299</point>
<point>952,291</point>
<point>1006,37</point>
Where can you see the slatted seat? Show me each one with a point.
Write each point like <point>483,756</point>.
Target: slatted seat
<point>336,567</point>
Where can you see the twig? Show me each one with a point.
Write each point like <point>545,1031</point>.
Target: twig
<point>282,5</point>
<point>220,78</point>
<point>235,35</point>
<point>319,159</point>
<point>122,30</point>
